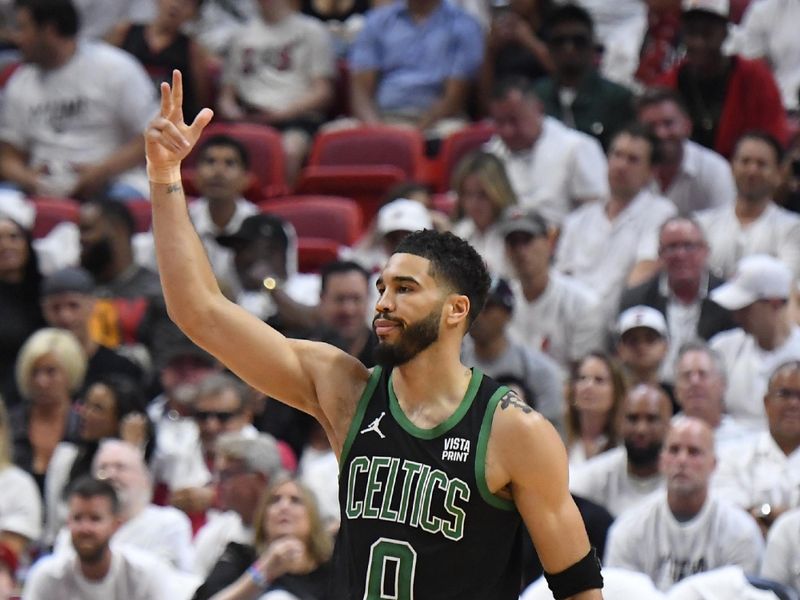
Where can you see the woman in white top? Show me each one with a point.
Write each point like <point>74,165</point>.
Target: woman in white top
<point>594,401</point>
<point>484,192</point>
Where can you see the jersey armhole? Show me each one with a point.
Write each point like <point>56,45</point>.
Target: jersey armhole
<point>358,417</point>
<point>480,459</point>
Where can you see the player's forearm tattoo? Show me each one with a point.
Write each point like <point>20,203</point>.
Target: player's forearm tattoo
<point>173,187</point>
<point>511,399</point>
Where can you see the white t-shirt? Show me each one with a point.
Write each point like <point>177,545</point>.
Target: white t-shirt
<point>20,503</point>
<point>65,118</point>
<point>564,168</point>
<point>564,322</point>
<point>132,576</point>
<point>490,244</point>
<point>775,232</point>
<point>618,584</point>
<point>272,65</point>
<point>769,30</point>
<point>601,253</point>
<point>319,470</point>
<point>757,471</point>
<point>782,557</point>
<point>98,17</point>
<point>605,479</point>
<point>649,539</point>
<point>724,583</point>
<point>747,368</point>
<point>704,180</point>
<point>210,541</point>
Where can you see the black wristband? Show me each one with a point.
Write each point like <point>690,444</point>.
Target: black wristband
<point>583,575</point>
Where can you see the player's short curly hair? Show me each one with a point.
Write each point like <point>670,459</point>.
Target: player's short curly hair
<point>453,262</point>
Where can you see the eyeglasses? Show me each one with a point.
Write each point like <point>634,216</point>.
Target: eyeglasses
<point>220,415</point>
<point>580,42</point>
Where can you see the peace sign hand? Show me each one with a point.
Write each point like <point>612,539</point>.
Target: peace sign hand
<point>168,139</point>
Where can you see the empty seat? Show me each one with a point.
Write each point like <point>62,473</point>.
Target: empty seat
<point>322,217</point>
<point>50,211</point>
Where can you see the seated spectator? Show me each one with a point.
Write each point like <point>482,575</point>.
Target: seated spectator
<point>700,393</point>
<point>66,134</point>
<point>98,17</point>
<point>94,570</point>
<point>20,504</point>
<point>767,31</point>
<point>782,555</point>
<point>278,72</point>
<point>344,20</point>
<point>414,63</point>
<point>68,302</point>
<point>219,22</point>
<point>594,402</point>
<point>576,94</point>
<point>680,289</point>
<point>290,551</point>
<point>685,530</point>
<point>49,368</point>
<point>490,348</point>
<point>113,406</point>
<point>484,191</point>
<point>244,468</point>
<point>623,477</point>
<point>754,223</point>
<point>608,245</point>
<point>554,314</point>
<point>692,176</point>
<point>758,297</point>
<point>762,474</point>
<point>642,345</point>
<point>552,168</point>
<point>514,45</point>
<point>718,89</point>
<point>20,280</point>
<point>161,45</point>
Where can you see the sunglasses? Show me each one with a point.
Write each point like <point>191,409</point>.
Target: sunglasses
<point>219,415</point>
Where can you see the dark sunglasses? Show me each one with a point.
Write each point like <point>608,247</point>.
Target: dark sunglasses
<point>221,416</point>
<point>579,41</point>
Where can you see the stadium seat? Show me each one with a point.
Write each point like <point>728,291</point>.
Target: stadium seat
<point>141,212</point>
<point>454,148</point>
<point>322,217</point>
<point>314,253</point>
<point>50,211</point>
<point>265,152</point>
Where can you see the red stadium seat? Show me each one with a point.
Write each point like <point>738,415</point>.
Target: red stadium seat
<point>50,211</point>
<point>322,217</point>
<point>141,212</point>
<point>315,253</point>
<point>454,148</point>
<point>265,153</point>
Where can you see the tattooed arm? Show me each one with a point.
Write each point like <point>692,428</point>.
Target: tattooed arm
<point>526,456</point>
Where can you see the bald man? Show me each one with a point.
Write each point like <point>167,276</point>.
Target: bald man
<point>622,477</point>
<point>684,530</point>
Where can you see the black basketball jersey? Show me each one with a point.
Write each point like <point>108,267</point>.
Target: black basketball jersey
<point>418,519</point>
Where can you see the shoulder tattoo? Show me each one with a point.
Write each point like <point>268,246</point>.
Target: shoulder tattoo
<point>510,399</point>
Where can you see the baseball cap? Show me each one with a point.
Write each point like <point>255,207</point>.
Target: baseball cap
<point>256,227</point>
<point>403,215</point>
<point>720,8</point>
<point>642,316</point>
<point>517,218</point>
<point>500,294</point>
<point>757,277</point>
<point>70,279</point>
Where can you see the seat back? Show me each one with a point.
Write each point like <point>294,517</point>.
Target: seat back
<point>322,217</point>
<point>315,253</point>
<point>455,147</point>
<point>50,211</point>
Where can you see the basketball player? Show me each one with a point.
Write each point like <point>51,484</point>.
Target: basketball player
<point>437,462</point>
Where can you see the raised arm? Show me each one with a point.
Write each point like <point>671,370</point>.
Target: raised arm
<point>527,456</point>
<point>284,369</point>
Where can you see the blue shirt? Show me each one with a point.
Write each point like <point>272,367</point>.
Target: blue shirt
<point>414,60</point>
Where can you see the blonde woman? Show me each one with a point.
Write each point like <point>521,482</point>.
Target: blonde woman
<point>484,192</point>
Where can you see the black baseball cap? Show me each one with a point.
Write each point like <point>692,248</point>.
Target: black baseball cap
<point>500,294</point>
<point>526,220</point>
<point>257,227</point>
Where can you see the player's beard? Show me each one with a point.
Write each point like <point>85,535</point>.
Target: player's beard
<point>413,339</point>
<point>641,457</point>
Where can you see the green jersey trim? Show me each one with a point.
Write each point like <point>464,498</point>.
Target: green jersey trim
<point>480,458</point>
<point>444,426</point>
<point>358,417</point>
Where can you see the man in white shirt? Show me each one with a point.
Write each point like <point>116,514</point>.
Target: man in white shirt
<point>95,571</point>
<point>608,245</point>
<point>685,530</point>
<point>782,556</point>
<point>762,474</point>
<point>642,344</point>
<point>552,168</point>
<point>754,223</point>
<point>623,477</point>
<point>553,313</point>
<point>758,296</point>
<point>692,176</point>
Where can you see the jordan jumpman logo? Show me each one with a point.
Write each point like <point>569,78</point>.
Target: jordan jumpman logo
<point>375,426</point>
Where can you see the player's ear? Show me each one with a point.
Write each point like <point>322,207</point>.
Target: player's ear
<point>457,309</point>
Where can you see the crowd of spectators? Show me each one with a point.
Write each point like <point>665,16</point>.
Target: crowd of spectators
<point>635,195</point>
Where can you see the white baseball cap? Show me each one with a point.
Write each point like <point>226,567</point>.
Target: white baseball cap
<point>721,8</point>
<point>757,277</point>
<point>642,316</point>
<point>403,215</point>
